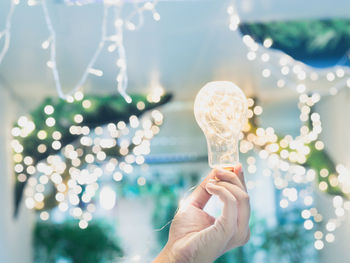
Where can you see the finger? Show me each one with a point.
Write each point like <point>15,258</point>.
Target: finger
<point>239,193</point>
<point>242,235</point>
<point>227,222</point>
<point>228,176</point>
<point>243,203</point>
<point>239,171</point>
<point>200,196</point>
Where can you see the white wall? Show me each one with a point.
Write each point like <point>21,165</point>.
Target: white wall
<point>335,112</point>
<point>15,234</point>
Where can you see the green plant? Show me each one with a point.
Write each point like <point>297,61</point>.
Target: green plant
<point>97,243</point>
<point>287,242</point>
<point>304,39</point>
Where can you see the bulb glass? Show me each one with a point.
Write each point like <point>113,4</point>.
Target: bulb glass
<point>220,109</point>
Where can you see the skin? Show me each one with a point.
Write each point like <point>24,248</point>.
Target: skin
<point>197,237</point>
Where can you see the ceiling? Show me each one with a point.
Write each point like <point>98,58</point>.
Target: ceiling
<point>189,46</point>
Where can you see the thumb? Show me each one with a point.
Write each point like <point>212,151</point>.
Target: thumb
<point>200,195</point>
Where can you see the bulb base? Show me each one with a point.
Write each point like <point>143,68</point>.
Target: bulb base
<point>225,157</point>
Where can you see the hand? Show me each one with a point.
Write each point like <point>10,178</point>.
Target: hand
<point>197,237</point>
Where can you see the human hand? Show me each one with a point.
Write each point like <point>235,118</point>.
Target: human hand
<point>197,237</point>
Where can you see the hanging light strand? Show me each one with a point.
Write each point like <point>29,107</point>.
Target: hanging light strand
<point>52,42</point>
<point>117,44</point>
<point>122,77</point>
<point>6,33</point>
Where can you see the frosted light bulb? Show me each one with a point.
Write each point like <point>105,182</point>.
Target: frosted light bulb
<point>220,109</point>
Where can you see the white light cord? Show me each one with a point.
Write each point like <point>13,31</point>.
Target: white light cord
<point>101,45</point>
<point>122,76</point>
<point>53,64</point>
<point>116,39</point>
<point>6,33</point>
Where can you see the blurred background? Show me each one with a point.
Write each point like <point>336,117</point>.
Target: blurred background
<point>88,176</point>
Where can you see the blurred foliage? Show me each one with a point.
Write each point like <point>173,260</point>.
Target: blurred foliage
<point>166,206</point>
<point>103,110</point>
<point>167,196</point>
<point>305,39</point>
<point>287,243</point>
<point>319,160</point>
<point>95,244</point>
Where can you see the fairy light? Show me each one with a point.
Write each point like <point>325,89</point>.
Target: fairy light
<point>295,150</point>
<point>268,42</point>
<point>330,238</point>
<point>96,72</point>
<point>234,18</point>
<point>83,224</point>
<point>56,135</point>
<point>50,122</point>
<point>308,224</point>
<point>78,118</point>
<point>155,95</point>
<point>42,135</point>
<point>266,73</point>
<point>261,139</point>
<point>89,149</point>
<point>306,214</point>
<point>86,104</point>
<point>49,109</point>
<point>319,244</point>
<point>140,105</point>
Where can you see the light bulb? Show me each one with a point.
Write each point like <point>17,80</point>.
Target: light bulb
<point>220,109</point>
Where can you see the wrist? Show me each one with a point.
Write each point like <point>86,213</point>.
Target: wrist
<point>165,256</point>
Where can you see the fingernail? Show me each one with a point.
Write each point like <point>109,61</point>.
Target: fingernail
<point>211,181</point>
<point>210,184</point>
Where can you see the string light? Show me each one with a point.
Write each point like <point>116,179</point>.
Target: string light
<point>266,140</point>
<point>114,41</point>
<point>296,150</point>
<point>90,149</point>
